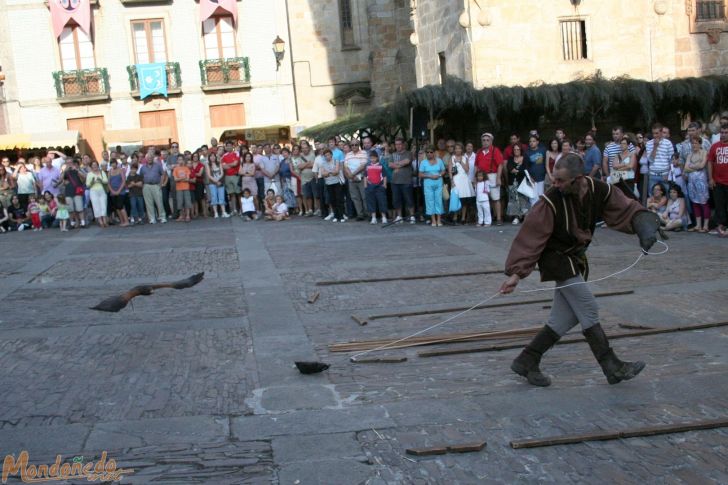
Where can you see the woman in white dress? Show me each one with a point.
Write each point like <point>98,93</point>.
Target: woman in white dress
<point>459,169</point>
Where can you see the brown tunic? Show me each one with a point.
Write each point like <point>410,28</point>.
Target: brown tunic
<point>540,223</point>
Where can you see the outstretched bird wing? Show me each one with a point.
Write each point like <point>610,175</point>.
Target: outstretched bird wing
<point>116,303</point>
<point>181,284</point>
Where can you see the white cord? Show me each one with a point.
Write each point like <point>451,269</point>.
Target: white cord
<point>642,255</point>
<point>391,344</point>
<point>353,357</point>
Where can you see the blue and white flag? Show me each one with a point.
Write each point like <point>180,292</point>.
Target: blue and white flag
<point>152,79</point>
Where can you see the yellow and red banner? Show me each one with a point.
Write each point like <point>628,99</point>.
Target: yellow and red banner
<point>212,7</point>
<point>63,11</point>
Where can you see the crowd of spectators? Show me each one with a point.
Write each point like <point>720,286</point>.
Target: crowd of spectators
<point>453,182</point>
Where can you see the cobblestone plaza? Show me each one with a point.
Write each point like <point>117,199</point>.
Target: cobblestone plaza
<point>199,386</point>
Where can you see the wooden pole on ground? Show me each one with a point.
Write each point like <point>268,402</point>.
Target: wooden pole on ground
<point>642,333</point>
<point>486,305</point>
<point>406,278</point>
<point>389,343</point>
<point>615,435</point>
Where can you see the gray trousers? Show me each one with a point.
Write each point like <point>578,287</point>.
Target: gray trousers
<point>572,305</point>
<point>153,198</point>
<point>358,196</point>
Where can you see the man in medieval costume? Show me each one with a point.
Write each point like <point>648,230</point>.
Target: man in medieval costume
<point>555,235</point>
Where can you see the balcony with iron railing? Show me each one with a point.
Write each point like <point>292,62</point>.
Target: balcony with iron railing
<point>83,85</point>
<point>228,73</point>
<point>174,79</point>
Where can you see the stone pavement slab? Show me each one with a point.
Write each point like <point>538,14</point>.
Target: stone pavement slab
<point>246,428</point>
<point>322,472</point>
<point>317,447</point>
<point>159,431</point>
<point>43,439</point>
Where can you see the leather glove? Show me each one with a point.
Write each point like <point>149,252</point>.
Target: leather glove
<point>646,224</point>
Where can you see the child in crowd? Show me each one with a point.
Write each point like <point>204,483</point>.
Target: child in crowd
<point>482,200</point>
<point>45,211</point>
<point>280,209</point>
<point>247,204</point>
<point>375,188</point>
<point>135,183</point>
<point>34,211</point>
<point>62,212</point>
<point>181,174</point>
<point>268,203</point>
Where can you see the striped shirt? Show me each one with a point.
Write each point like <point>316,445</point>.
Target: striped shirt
<point>612,151</point>
<point>663,157</point>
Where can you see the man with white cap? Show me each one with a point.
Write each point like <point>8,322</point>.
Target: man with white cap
<point>489,160</point>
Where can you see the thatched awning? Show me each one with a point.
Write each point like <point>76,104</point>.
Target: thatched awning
<point>584,100</point>
<point>371,120</point>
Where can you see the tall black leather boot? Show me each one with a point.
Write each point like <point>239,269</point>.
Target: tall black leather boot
<point>614,369</point>
<point>526,364</point>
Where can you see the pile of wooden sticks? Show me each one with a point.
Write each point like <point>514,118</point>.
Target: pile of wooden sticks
<point>364,345</point>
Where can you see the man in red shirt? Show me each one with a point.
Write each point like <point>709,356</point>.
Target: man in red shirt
<point>230,163</point>
<point>718,179</point>
<point>514,140</point>
<point>489,160</point>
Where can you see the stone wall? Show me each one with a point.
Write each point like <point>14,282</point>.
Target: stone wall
<point>519,43</point>
<point>392,57</point>
<point>437,30</point>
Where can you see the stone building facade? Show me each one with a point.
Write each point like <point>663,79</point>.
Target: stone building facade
<point>339,56</point>
<point>499,42</point>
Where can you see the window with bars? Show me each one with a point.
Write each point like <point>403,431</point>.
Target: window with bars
<point>347,24</point>
<point>709,10</point>
<point>149,42</point>
<point>573,40</point>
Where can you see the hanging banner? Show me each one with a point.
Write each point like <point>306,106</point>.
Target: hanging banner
<point>64,10</point>
<point>152,79</point>
<point>208,8</point>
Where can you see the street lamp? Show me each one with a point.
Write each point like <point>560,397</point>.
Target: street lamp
<point>279,48</point>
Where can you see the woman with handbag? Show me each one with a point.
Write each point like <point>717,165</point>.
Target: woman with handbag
<point>431,172</point>
<point>623,168</point>
<point>97,183</point>
<point>516,170</point>
<point>538,163</point>
<point>460,176</point>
